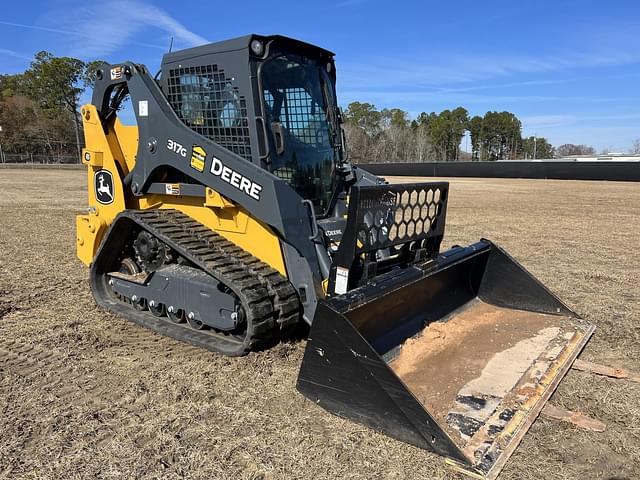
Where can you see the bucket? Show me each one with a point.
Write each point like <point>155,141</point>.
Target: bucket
<point>456,356</point>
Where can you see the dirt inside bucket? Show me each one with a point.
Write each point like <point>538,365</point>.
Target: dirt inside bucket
<point>474,347</point>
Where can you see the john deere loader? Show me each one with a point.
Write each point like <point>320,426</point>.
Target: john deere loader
<point>229,215</point>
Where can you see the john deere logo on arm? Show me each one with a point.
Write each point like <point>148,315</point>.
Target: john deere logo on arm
<point>235,179</point>
<point>198,156</point>
<point>103,186</point>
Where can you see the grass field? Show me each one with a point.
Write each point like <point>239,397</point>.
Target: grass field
<point>86,394</point>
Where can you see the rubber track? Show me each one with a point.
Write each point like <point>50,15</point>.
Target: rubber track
<point>285,298</point>
<point>270,299</point>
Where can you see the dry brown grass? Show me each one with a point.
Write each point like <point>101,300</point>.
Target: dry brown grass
<point>85,394</point>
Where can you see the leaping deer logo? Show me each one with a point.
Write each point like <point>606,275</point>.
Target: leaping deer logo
<point>104,185</point>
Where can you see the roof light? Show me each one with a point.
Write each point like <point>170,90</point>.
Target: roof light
<point>257,47</point>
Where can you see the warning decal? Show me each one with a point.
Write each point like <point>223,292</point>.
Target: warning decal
<point>172,188</point>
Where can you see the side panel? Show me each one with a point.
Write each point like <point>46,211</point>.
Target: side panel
<point>103,154</point>
<point>127,136</point>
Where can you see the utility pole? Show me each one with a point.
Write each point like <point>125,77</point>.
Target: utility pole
<point>535,140</point>
<point>1,151</point>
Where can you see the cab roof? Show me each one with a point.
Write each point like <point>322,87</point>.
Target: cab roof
<point>237,44</point>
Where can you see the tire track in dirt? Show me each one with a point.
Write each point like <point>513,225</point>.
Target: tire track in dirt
<point>6,304</point>
<point>155,346</point>
<point>75,387</point>
<point>87,389</point>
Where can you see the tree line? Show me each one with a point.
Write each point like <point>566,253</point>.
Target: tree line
<point>39,107</point>
<point>389,135</point>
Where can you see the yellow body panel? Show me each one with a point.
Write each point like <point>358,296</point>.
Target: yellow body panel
<point>116,152</point>
<point>97,156</point>
<point>127,136</point>
<point>233,223</point>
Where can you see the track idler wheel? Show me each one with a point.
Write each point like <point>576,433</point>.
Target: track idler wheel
<point>139,304</point>
<point>194,322</point>
<point>157,309</point>
<point>239,315</point>
<point>129,266</point>
<point>176,315</point>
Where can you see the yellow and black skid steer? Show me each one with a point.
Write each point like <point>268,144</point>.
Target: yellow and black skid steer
<point>229,215</point>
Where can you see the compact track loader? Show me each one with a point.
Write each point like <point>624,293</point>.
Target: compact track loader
<point>229,215</point>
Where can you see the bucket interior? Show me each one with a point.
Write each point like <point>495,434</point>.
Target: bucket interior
<point>462,367</point>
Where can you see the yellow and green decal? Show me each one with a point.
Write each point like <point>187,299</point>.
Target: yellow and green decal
<point>198,156</point>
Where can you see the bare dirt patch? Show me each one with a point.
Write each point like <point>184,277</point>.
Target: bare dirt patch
<point>85,394</point>
<point>482,349</point>
<point>432,364</point>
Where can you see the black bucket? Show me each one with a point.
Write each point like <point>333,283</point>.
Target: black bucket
<point>412,354</point>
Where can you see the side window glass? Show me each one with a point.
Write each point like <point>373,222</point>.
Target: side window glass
<point>229,108</point>
<point>193,102</point>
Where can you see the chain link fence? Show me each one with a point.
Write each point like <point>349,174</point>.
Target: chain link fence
<point>28,158</point>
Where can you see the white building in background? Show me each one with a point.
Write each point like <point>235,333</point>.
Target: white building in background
<point>605,157</point>
<point>612,156</point>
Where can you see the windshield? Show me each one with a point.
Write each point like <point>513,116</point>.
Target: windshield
<point>299,101</point>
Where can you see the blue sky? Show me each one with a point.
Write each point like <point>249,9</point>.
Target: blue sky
<point>569,69</point>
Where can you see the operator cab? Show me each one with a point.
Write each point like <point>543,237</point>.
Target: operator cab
<point>268,99</point>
